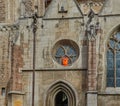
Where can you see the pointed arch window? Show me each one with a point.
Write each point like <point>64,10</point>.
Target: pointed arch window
<point>61,94</point>
<point>113,61</point>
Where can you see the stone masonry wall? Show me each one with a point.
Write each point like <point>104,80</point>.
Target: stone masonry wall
<point>52,28</point>
<point>45,79</point>
<point>5,69</point>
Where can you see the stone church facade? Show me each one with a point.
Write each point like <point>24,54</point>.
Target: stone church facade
<point>59,53</point>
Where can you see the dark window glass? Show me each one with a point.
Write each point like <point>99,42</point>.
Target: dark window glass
<point>61,99</point>
<point>110,54</point>
<point>118,46</point>
<point>60,52</point>
<point>118,55</point>
<point>118,82</point>
<point>118,35</point>
<point>110,61</point>
<point>117,63</point>
<point>110,82</point>
<point>112,44</point>
<point>3,91</point>
<point>110,74</point>
<point>118,73</point>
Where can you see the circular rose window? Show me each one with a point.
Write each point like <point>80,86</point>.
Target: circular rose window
<point>66,52</point>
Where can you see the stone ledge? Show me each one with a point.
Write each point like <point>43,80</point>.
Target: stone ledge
<point>92,92</point>
<point>16,92</point>
<point>104,93</point>
<point>54,69</point>
<point>110,91</point>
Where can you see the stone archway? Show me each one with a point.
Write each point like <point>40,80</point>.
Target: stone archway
<point>60,88</point>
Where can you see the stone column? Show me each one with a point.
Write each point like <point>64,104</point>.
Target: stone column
<point>92,74</point>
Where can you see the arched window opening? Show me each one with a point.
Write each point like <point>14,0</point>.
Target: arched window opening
<point>60,94</point>
<point>113,61</point>
<point>61,99</point>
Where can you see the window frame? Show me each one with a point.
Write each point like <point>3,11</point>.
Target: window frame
<point>114,50</point>
<point>70,44</point>
<point>72,58</point>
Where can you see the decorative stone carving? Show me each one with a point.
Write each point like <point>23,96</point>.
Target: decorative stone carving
<point>92,26</point>
<point>28,7</point>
